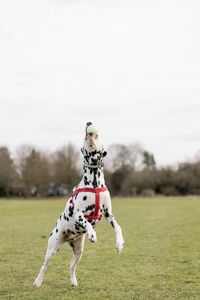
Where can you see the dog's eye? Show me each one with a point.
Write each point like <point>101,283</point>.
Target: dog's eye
<point>90,134</point>
<point>96,136</point>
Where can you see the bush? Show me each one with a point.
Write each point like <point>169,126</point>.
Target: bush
<point>148,193</point>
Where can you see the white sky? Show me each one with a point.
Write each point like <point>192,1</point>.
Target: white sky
<point>131,67</point>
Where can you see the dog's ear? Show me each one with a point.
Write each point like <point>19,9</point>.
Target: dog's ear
<point>104,153</point>
<point>87,124</point>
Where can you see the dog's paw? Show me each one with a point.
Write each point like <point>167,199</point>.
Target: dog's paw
<point>119,246</point>
<point>92,237</point>
<point>37,283</point>
<point>74,282</point>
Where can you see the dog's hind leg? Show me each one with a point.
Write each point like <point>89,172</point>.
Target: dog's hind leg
<point>54,244</point>
<point>77,246</point>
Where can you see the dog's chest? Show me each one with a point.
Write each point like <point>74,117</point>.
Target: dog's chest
<point>87,204</point>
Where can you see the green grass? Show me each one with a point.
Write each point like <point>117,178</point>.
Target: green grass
<point>161,259</point>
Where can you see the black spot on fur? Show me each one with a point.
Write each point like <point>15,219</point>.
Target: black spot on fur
<point>106,213</point>
<point>84,198</point>
<point>90,207</point>
<point>86,182</point>
<point>66,218</point>
<point>92,222</point>
<point>94,161</point>
<point>76,226</point>
<point>79,225</point>
<point>56,229</point>
<point>51,234</point>
<point>71,210</point>
<point>94,182</point>
<point>60,217</point>
<point>112,224</point>
<point>80,219</point>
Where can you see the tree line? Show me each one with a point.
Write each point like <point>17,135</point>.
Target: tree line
<point>130,170</point>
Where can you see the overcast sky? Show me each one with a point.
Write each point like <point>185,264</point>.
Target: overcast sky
<point>130,67</point>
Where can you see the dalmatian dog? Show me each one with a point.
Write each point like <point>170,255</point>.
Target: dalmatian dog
<point>89,201</point>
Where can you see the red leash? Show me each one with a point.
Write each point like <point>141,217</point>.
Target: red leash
<point>97,192</point>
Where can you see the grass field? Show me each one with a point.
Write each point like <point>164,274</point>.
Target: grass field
<point>161,259</point>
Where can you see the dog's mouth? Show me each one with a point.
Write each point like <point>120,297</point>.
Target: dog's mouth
<point>94,145</point>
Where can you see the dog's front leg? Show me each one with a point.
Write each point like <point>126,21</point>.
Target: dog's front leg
<point>82,223</point>
<point>118,232</point>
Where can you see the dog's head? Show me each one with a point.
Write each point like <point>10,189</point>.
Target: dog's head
<point>92,148</point>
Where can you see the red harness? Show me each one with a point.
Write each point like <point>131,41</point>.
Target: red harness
<point>96,191</point>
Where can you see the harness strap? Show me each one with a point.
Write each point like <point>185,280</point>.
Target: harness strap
<point>97,192</point>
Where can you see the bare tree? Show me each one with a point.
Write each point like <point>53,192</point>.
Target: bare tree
<point>120,155</point>
<point>65,166</point>
<point>8,173</point>
<point>148,160</point>
<point>35,170</point>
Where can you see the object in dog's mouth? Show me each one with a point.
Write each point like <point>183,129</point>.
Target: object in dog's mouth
<point>92,129</point>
